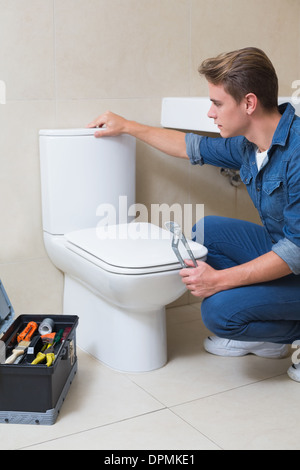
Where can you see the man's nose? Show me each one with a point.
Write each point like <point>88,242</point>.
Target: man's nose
<point>211,113</point>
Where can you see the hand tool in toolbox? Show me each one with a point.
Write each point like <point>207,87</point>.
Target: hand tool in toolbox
<point>35,346</point>
<point>65,334</point>
<point>42,356</point>
<point>48,338</point>
<point>27,333</point>
<point>24,339</point>
<point>47,352</point>
<point>178,236</point>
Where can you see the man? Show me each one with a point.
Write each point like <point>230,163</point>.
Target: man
<point>250,282</point>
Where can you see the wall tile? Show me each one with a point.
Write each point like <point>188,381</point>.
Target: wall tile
<point>20,195</point>
<point>27,49</point>
<point>121,49</point>
<point>33,286</point>
<point>78,113</point>
<point>224,25</point>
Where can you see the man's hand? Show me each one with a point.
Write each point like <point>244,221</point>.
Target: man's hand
<point>168,141</point>
<point>114,124</point>
<point>202,280</point>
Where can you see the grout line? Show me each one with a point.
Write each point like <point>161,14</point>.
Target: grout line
<point>193,427</point>
<point>190,49</point>
<point>222,392</point>
<point>54,60</point>
<point>91,429</point>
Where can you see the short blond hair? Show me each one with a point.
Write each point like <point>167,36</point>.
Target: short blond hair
<point>244,71</point>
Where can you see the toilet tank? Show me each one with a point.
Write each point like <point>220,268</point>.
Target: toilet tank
<point>83,176</point>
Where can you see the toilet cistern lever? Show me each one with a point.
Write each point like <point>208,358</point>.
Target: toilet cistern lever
<point>178,236</point>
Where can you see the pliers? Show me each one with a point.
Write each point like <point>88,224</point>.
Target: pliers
<point>47,352</point>
<point>47,355</point>
<point>178,236</point>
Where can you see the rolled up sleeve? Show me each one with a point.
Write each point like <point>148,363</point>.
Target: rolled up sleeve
<point>289,252</point>
<point>193,148</point>
<point>288,247</point>
<point>215,151</point>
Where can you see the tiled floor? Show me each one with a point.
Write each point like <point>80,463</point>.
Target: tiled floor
<point>197,401</point>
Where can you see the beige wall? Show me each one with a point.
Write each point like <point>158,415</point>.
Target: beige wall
<point>65,61</point>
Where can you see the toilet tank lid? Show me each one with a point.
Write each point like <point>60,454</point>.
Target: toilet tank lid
<point>134,246</point>
<point>67,132</point>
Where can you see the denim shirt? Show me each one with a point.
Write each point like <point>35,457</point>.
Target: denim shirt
<point>275,189</point>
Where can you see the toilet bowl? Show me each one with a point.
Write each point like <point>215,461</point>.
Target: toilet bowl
<point>118,277</point>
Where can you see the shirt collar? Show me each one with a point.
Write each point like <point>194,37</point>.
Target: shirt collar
<point>282,131</point>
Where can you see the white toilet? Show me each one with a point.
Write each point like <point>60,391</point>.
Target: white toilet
<point>118,276</point>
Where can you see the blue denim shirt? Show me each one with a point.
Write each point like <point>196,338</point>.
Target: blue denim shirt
<point>275,189</point>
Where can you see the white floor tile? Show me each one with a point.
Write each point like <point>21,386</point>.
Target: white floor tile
<point>158,430</point>
<point>192,373</point>
<point>261,416</point>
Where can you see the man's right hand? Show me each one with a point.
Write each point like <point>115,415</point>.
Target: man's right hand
<point>169,141</point>
<point>110,124</point>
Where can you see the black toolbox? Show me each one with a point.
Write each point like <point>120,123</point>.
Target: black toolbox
<point>34,394</point>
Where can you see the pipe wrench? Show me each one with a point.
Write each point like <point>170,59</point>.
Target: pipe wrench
<point>178,236</point>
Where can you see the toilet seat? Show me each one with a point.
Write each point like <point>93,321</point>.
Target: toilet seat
<point>135,248</point>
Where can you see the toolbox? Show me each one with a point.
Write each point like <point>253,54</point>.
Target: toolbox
<point>34,393</point>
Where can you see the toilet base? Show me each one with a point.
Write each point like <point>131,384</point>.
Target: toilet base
<point>125,340</point>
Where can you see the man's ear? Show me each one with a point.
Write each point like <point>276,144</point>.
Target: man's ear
<point>250,103</point>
